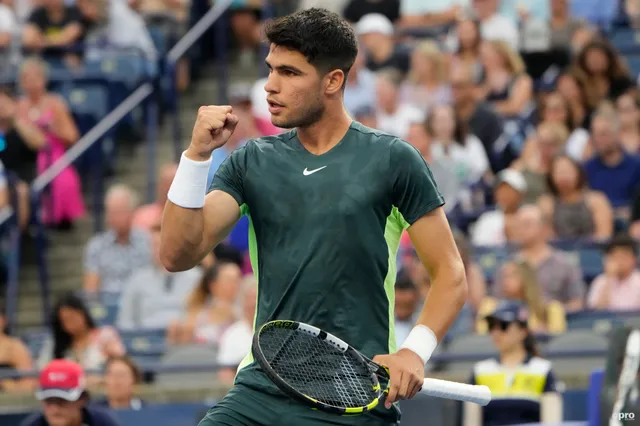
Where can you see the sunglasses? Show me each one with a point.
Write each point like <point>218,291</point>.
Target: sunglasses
<point>499,324</point>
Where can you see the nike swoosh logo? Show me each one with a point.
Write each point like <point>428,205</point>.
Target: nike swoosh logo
<point>310,172</point>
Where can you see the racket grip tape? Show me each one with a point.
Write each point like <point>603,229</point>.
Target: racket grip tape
<point>476,394</point>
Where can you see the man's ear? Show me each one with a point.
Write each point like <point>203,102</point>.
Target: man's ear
<point>335,80</point>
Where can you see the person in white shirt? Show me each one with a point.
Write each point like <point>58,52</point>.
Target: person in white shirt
<point>496,227</point>
<point>7,25</point>
<point>235,343</point>
<point>493,25</point>
<point>394,117</point>
<point>360,90</point>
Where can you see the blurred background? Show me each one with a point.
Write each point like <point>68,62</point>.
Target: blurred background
<point>527,112</point>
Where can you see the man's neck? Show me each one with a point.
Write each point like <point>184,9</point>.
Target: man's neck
<point>612,158</point>
<point>116,403</point>
<point>123,238</point>
<point>391,109</point>
<point>537,252</point>
<point>327,132</point>
<point>514,357</point>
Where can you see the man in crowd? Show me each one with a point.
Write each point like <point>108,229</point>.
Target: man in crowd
<point>148,215</point>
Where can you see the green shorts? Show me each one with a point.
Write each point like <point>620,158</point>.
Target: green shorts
<point>244,406</point>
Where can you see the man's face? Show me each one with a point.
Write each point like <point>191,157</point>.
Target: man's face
<point>373,41</point>
<point>406,301</point>
<point>119,213</point>
<point>59,412</point>
<point>461,87</point>
<point>295,90</point>
<point>604,136</point>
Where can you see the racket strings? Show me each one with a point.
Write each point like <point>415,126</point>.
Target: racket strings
<point>317,369</point>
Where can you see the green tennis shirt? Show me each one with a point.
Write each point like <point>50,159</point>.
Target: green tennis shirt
<point>324,231</point>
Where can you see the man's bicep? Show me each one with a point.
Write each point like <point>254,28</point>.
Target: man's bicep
<point>221,213</point>
<point>430,228</point>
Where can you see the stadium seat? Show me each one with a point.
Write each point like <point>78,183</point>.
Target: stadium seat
<point>139,344</point>
<point>104,314</point>
<point>467,346</point>
<point>625,40</point>
<point>583,341</point>
<point>595,321</point>
<point>185,356</point>
<point>591,262</point>
<point>35,340</point>
<point>633,62</point>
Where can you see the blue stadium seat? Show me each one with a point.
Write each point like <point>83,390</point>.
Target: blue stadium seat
<point>147,343</point>
<point>596,321</point>
<point>590,262</point>
<point>159,39</point>
<point>104,314</point>
<point>625,40</point>
<point>35,340</point>
<point>633,62</point>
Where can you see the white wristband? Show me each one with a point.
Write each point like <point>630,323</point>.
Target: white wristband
<point>422,340</point>
<point>189,187</point>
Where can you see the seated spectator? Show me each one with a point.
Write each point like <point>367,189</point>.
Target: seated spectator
<point>573,86</point>
<point>406,309</point>
<point>467,52</point>
<point>14,356</point>
<point>111,257</point>
<point>53,28</point>
<point>451,141</point>
<point>612,171</point>
<point>75,336</point>
<point>522,383</point>
<point>629,113</point>
<point>235,343</point>
<point>560,279</point>
<point>154,298</point>
<point>418,13</point>
<point>360,90</point>
<point>618,288</point>
<point>493,24</point>
<point>476,284</point>
<point>498,227</point>
<point>394,116</point>
<point>63,203</point>
<point>260,109</point>
<point>366,116</point>
<point>376,37</point>
<point>563,24</point>
<point>145,217</point>
<point>605,70</point>
<point>427,84</point>
<point>478,117</point>
<point>507,86</point>
<point>4,189</point>
<point>519,283</point>
<point>8,27</point>
<point>121,376</point>
<point>355,10</point>
<point>65,400</point>
<point>634,227</point>
<point>572,210</point>
<point>211,308</point>
<point>549,141</point>
<point>245,23</point>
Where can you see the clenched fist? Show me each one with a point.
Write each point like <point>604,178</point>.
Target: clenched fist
<point>214,126</point>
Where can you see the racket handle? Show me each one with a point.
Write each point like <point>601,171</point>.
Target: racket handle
<point>477,394</point>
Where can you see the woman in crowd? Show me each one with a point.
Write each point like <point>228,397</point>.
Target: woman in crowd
<point>507,85</point>
<point>76,336</point>
<point>14,356</point>
<point>519,283</point>
<point>572,210</point>
<point>212,307</point>
<point>521,382</point>
<point>121,377</point>
<point>426,85</point>
<point>605,71</point>
<point>629,114</point>
<point>469,40</point>
<point>572,85</point>
<point>63,203</point>
<point>550,140</point>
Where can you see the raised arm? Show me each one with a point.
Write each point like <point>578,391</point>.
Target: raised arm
<point>193,224</point>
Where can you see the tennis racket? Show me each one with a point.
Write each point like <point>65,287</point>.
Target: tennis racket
<point>628,375</point>
<point>318,369</point>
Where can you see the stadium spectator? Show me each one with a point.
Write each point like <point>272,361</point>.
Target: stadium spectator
<point>476,283</point>
<point>64,398</point>
<point>467,51</point>
<point>245,24</point>
<point>335,6</point>
<point>360,90</point>
<point>63,203</point>
<point>519,283</point>
<point>507,86</point>
<point>572,210</point>
<point>550,140</point>
<point>8,27</point>
<point>573,86</point>
<point>211,308</point>
<point>355,10</point>
<point>14,356</point>
<point>493,24</point>
<point>605,71</point>
<point>148,215</point>
<point>522,383</point>
<point>150,9</point>
<point>366,115</point>
<point>375,32</point>
<point>451,141</point>
<point>634,227</point>
<point>563,25</point>
<point>629,113</point>
<point>560,279</point>
<point>418,13</point>
<point>478,117</point>
<point>497,227</point>
<point>612,171</point>
<point>426,85</point>
<point>618,288</point>
<point>111,257</point>
<point>154,298</point>
<point>260,109</point>
<point>407,299</point>
<point>394,116</point>
<point>53,29</point>
<point>235,343</point>
<point>75,336</point>
<point>121,376</point>
<point>4,188</point>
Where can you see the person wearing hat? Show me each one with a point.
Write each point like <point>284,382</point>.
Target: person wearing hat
<point>521,382</point>
<point>65,398</point>
<point>496,227</point>
<point>375,32</point>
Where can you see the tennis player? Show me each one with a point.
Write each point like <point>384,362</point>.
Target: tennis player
<point>327,203</point>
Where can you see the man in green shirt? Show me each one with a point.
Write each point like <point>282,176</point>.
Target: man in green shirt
<point>327,203</point>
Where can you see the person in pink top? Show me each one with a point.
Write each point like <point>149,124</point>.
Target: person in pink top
<point>62,203</point>
<point>146,216</point>
<point>618,288</point>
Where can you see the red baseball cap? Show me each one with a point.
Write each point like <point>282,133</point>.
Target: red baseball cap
<point>61,379</point>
